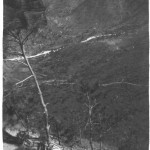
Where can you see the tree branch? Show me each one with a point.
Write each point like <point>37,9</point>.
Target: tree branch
<point>128,83</point>
<point>10,33</point>
<point>24,80</point>
<point>57,82</point>
<point>47,126</point>
<point>26,38</point>
<point>22,63</point>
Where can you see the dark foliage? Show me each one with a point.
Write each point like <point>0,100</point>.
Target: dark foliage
<point>96,90</point>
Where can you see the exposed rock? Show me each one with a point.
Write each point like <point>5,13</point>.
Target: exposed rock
<point>8,138</point>
<point>22,13</point>
<point>107,13</point>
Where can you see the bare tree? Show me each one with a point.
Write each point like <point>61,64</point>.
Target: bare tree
<point>90,123</point>
<point>21,41</point>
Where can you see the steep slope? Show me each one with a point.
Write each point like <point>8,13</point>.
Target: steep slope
<point>107,13</point>
<point>121,71</point>
<point>112,68</point>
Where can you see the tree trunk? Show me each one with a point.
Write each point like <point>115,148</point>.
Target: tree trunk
<point>100,145</point>
<point>58,134</point>
<point>47,126</point>
<point>100,142</point>
<point>91,142</point>
<point>80,136</point>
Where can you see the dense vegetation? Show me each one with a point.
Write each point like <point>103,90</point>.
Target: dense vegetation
<point>95,90</point>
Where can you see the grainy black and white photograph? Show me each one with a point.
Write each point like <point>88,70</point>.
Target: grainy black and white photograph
<point>75,75</point>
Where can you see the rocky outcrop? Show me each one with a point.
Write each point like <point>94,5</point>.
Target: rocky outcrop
<point>22,13</point>
<point>108,13</point>
<point>8,138</point>
<point>76,17</point>
<point>27,5</point>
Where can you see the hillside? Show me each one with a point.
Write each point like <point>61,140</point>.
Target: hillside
<point>104,67</point>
